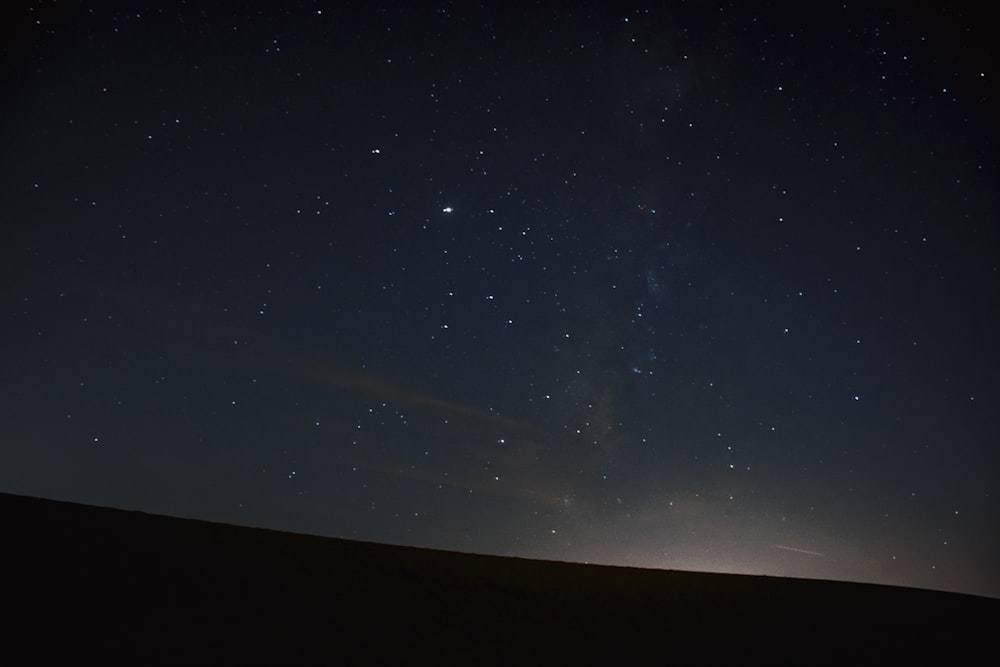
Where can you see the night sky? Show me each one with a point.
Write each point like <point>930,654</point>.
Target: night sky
<point>676,285</point>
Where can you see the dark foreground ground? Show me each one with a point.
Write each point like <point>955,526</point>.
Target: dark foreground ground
<point>91,585</point>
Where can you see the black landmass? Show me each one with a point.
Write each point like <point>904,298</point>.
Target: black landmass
<point>87,584</point>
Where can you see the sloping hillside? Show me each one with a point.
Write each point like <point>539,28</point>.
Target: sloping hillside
<point>83,582</point>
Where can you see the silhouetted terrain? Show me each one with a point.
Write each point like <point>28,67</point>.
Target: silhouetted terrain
<point>84,583</point>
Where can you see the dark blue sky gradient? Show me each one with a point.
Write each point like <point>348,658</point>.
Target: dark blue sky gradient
<point>675,285</point>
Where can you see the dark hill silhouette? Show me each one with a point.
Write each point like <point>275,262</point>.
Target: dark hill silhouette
<point>93,584</point>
